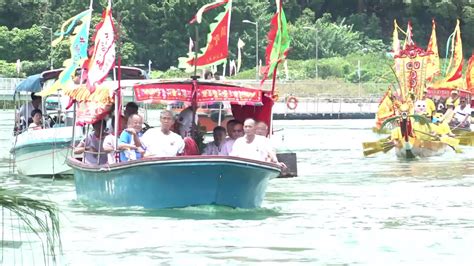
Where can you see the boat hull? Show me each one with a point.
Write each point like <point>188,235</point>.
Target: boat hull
<point>43,152</point>
<point>176,182</point>
<point>43,159</point>
<point>423,148</point>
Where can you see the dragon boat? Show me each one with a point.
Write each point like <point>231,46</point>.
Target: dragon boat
<point>417,125</point>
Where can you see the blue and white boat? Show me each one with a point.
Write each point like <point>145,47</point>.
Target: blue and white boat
<point>171,182</point>
<point>180,181</point>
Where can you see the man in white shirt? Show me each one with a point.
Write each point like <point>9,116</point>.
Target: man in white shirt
<point>162,142</point>
<point>253,146</point>
<point>235,130</point>
<point>261,128</point>
<point>462,115</point>
<point>215,147</point>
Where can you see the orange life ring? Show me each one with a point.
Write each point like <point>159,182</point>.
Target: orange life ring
<point>292,103</point>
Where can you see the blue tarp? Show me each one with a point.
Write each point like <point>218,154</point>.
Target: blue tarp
<point>31,84</point>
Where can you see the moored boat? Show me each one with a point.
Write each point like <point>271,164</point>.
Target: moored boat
<point>42,152</point>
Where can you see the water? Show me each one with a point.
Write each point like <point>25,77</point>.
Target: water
<point>343,209</point>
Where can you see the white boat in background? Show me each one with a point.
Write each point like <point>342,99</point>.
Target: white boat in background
<point>44,152</point>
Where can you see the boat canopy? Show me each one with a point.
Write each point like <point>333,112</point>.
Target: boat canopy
<point>32,83</point>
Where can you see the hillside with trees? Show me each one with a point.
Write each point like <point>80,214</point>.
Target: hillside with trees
<point>340,30</point>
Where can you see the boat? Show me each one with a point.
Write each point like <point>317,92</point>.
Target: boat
<point>406,112</point>
<point>189,179</point>
<point>171,182</point>
<point>44,152</point>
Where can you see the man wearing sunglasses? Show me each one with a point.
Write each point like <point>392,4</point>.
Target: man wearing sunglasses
<point>462,115</point>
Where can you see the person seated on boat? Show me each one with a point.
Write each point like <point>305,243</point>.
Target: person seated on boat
<point>235,130</point>
<point>92,146</point>
<point>462,115</point>
<point>253,146</point>
<point>262,128</point>
<point>448,113</point>
<point>162,142</point>
<point>403,128</point>
<point>185,122</point>
<point>215,147</point>
<point>425,106</point>
<point>27,108</point>
<point>37,120</point>
<point>439,127</point>
<point>129,143</point>
<point>130,109</point>
<point>208,75</point>
<point>109,147</point>
<point>454,98</point>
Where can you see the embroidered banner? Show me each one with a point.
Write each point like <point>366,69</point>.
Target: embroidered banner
<point>205,93</point>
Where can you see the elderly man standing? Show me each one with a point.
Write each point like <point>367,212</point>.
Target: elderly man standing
<point>253,146</point>
<point>162,142</point>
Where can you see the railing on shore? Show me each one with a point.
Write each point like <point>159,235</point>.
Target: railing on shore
<point>315,102</point>
<point>327,107</point>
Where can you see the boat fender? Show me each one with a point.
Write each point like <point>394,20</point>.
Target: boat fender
<point>292,103</point>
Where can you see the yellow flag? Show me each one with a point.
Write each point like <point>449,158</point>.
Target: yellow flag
<point>385,109</point>
<point>454,71</point>
<point>396,41</point>
<point>432,63</point>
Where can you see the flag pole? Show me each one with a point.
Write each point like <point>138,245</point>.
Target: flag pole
<point>118,91</point>
<point>194,84</point>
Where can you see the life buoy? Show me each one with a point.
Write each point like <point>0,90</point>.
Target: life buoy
<point>292,103</point>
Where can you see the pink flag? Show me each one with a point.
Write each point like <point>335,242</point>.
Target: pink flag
<point>103,57</point>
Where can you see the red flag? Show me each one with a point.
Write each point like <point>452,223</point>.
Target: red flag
<point>216,51</point>
<point>103,55</point>
<point>198,17</point>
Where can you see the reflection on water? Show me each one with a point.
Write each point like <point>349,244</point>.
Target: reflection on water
<point>343,209</point>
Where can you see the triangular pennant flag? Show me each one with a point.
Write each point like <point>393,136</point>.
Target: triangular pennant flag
<point>457,60</point>
<point>396,41</point>
<point>432,63</point>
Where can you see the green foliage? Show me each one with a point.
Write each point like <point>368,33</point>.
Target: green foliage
<point>38,216</point>
<point>158,30</point>
<point>7,70</point>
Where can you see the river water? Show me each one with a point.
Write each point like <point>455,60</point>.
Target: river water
<point>342,209</point>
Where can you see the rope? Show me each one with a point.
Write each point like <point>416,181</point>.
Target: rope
<point>45,154</point>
